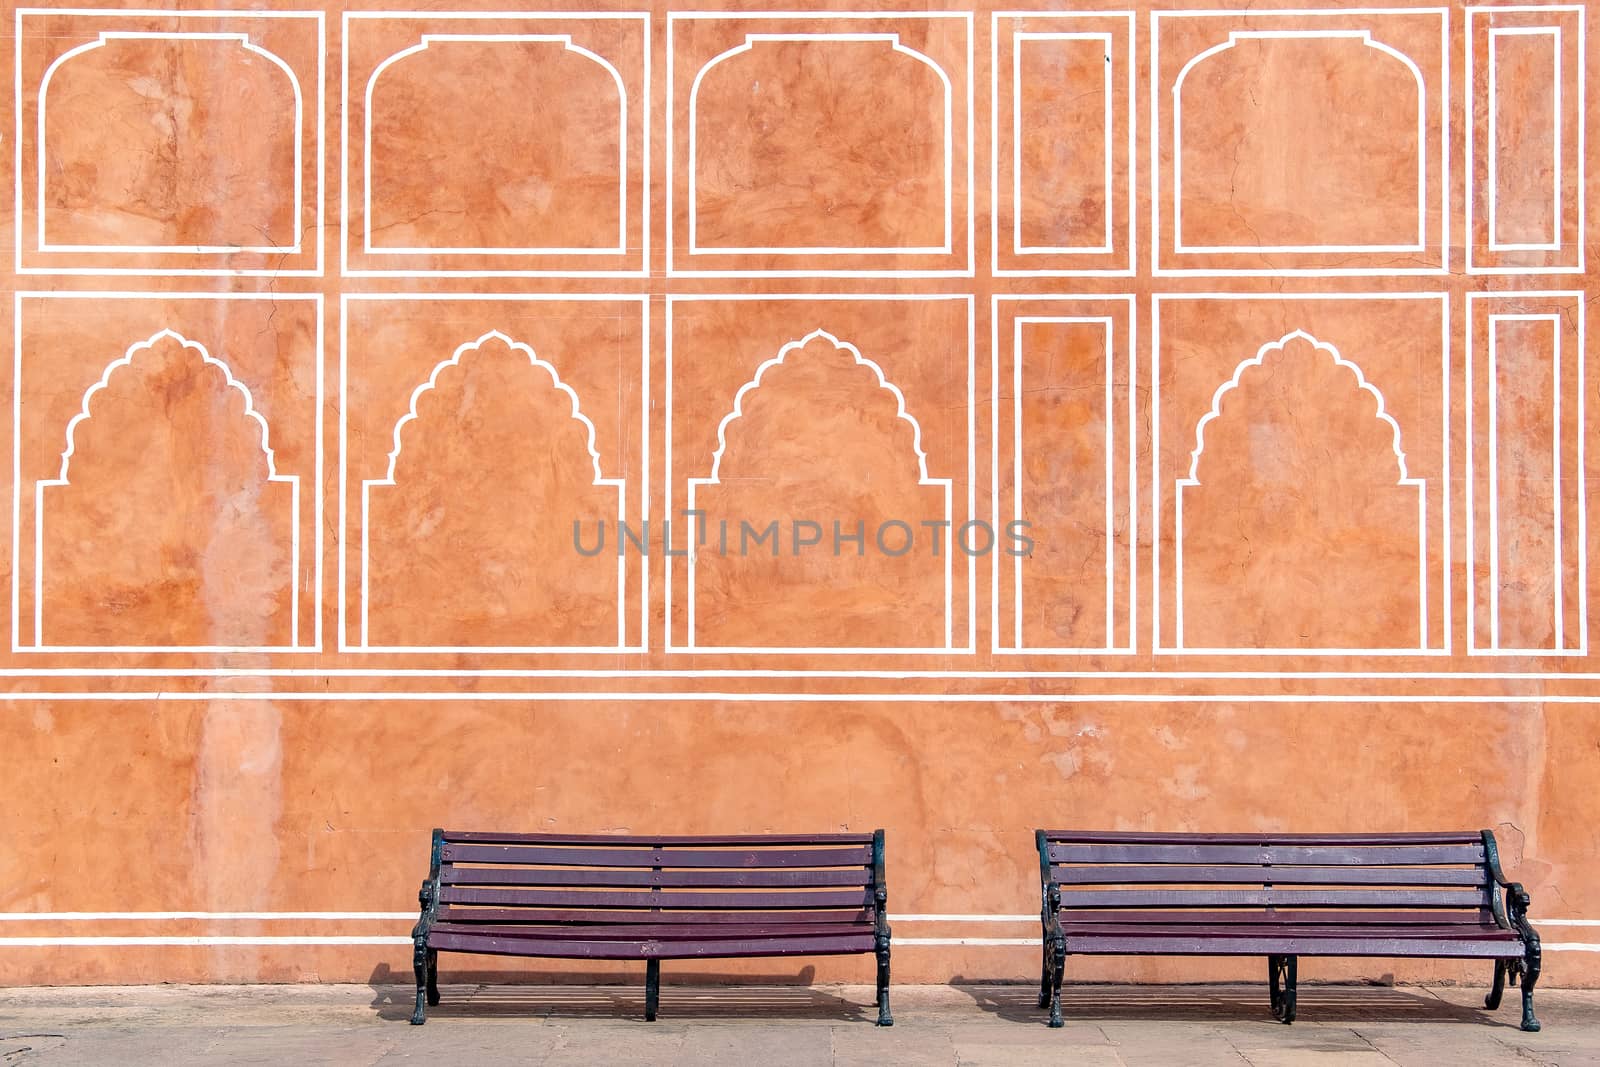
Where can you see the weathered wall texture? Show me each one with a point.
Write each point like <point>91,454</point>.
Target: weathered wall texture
<point>328,325</point>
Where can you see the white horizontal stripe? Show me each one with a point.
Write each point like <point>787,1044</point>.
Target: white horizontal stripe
<point>266,942</point>
<point>690,697</point>
<point>171,916</point>
<point>1033,941</point>
<point>39,942</point>
<point>387,916</point>
<point>965,918</point>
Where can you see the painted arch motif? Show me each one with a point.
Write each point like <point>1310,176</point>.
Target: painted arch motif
<point>1299,526</point>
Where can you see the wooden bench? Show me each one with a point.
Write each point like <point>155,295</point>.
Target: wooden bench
<point>604,897</point>
<point>1282,897</point>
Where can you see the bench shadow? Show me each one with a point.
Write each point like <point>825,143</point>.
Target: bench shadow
<point>576,995</point>
<point>1227,1003</point>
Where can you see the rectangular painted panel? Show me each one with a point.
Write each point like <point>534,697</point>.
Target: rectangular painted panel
<point>1525,139</point>
<point>1526,189</point>
<point>1525,494</point>
<point>1062,142</point>
<point>1065,486</point>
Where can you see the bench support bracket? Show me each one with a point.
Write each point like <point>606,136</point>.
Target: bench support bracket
<point>652,989</point>
<point>1497,990</point>
<point>1282,976</point>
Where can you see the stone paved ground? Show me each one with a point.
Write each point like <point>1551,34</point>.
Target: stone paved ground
<point>1340,1026</point>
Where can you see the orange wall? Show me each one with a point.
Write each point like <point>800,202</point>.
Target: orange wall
<point>326,329</point>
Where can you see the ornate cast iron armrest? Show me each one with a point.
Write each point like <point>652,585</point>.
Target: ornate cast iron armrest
<point>1512,912</point>
<point>880,887</point>
<point>1050,892</point>
<point>427,897</point>
<point>1517,904</point>
<point>1050,913</point>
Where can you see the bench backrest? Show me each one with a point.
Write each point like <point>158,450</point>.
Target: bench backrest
<point>577,879</point>
<point>1444,877</point>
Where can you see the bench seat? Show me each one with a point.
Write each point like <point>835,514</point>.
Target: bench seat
<point>599,897</point>
<point>1431,896</point>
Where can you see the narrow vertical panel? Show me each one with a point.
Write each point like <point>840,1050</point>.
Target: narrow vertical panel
<point>1527,532</point>
<point>1526,156</point>
<point>1064,482</point>
<point>1524,482</point>
<point>1525,164</point>
<point>1062,143</point>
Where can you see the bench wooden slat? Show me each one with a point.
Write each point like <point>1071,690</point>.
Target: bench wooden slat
<point>555,916</point>
<point>1134,837</point>
<point>635,933</point>
<point>1274,854</point>
<point>624,877</point>
<point>1294,946</point>
<point>553,856</point>
<point>1211,898</point>
<point>1479,917</point>
<point>1179,874</point>
<point>484,837</point>
<point>558,948</point>
<point>535,898</point>
<point>1411,932</point>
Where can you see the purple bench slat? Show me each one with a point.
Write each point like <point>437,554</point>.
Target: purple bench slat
<point>625,878</point>
<point>1267,855</point>
<point>645,841</point>
<point>1238,874</point>
<point>552,856</point>
<point>554,948</point>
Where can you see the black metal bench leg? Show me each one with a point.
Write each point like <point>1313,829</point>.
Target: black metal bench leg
<point>1281,978</point>
<point>433,976</point>
<point>1496,991</point>
<point>1055,984</point>
<point>652,989</point>
<point>419,964</point>
<point>1532,966</point>
<point>884,1017</point>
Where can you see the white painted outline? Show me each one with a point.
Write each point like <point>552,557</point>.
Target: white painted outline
<point>1018,645</point>
<point>642,269</point>
<point>971,510</point>
<point>315,299</point>
<point>563,39</point>
<point>239,272</point>
<point>887,18</point>
<point>1127,113</point>
<point>83,415</point>
<point>642,303</point>
<point>1106,244</point>
<point>1156,482</point>
<point>901,413</point>
<point>892,39</point>
<point>1443,249</point>
<point>1362,36</point>
<point>1495,244</point>
<point>43,246</point>
<point>1474,14</point>
<point>367,485</point>
<point>689,697</point>
<point>897,674</point>
<point>1560,448</point>
<point>1192,479</point>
